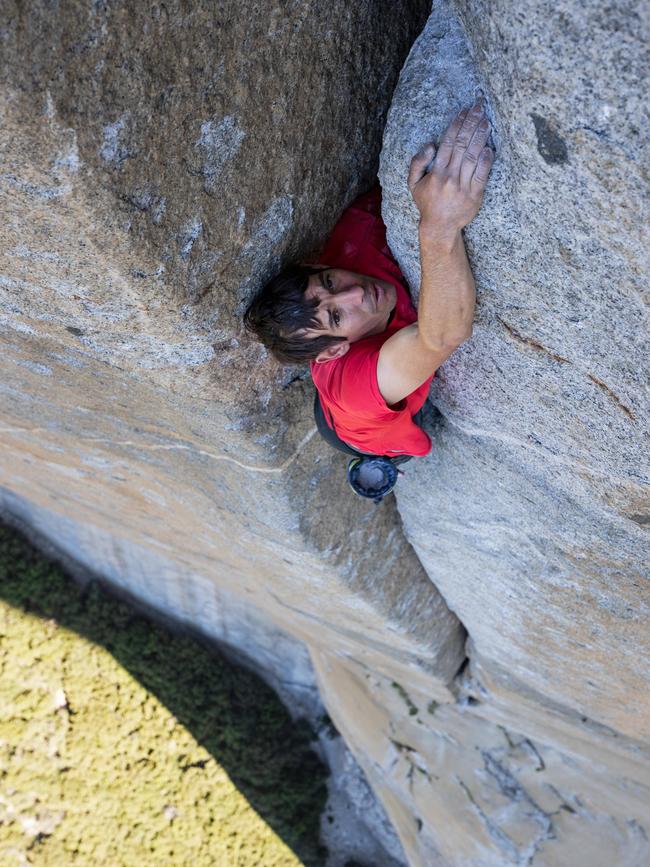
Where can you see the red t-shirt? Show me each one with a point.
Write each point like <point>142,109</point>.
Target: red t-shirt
<point>348,385</point>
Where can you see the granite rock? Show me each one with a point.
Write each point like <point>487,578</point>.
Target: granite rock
<point>530,515</point>
<point>544,411</point>
<point>158,163</point>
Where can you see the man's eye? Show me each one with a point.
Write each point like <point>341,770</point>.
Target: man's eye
<point>336,318</point>
<point>329,283</point>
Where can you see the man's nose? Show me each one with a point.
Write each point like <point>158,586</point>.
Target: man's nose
<point>352,294</point>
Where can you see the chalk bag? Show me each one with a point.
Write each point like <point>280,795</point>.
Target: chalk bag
<point>372,477</point>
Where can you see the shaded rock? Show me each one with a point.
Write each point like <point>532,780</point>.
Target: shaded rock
<point>158,164</point>
<point>133,309</point>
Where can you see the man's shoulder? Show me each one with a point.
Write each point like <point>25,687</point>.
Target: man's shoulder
<point>346,381</point>
<point>331,375</point>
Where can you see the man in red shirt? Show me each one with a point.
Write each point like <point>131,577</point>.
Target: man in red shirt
<point>372,355</point>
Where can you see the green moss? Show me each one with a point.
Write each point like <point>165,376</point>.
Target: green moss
<point>124,744</point>
<point>399,689</point>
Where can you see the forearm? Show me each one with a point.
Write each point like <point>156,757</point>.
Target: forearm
<point>447,290</point>
<point>448,193</point>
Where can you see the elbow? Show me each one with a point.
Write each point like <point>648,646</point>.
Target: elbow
<point>449,342</point>
<point>466,335</point>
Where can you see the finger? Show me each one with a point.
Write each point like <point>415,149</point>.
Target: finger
<point>446,146</point>
<point>473,152</point>
<point>482,172</point>
<point>419,164</point>
<point>465,134</point>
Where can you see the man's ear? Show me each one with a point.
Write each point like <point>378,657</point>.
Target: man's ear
<point>332,352</point>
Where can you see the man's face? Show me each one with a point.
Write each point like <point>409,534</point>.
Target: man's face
<point>350,305</point>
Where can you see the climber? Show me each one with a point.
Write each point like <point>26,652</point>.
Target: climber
<point>372,355</point>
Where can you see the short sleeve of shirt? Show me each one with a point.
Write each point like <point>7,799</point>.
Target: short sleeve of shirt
<point>355,382</point>
<point>360,413</point>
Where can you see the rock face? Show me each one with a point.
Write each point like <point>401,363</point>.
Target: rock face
<point>545,410</point>
<point>157,165</point>
<point>466,790</point>
<point>531,513</point>
<point>127,176</point>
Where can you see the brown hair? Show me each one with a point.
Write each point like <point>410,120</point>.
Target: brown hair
<point>280,312</point>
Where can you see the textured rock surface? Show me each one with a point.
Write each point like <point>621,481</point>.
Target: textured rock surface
<point>143,399</point>
<point>531,513</point>
<point>463,790</point>
<point>156,166</point>
<point>545,411</point>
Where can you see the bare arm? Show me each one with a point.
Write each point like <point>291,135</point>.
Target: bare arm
<point>448,197</point>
